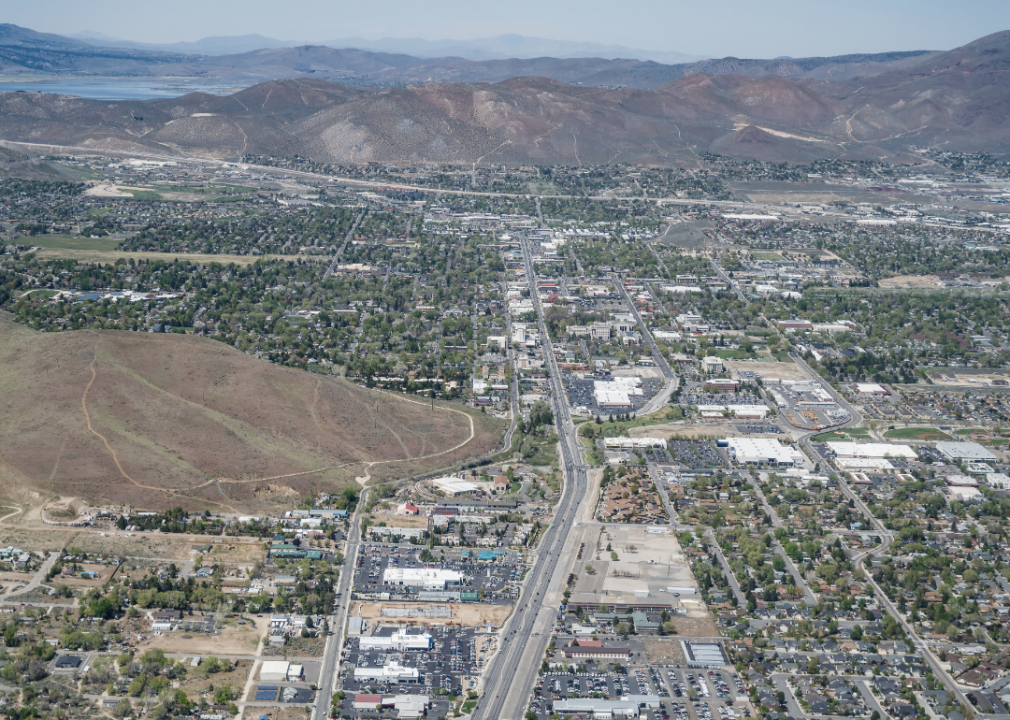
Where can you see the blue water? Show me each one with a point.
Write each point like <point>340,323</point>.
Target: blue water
<point>122,90</point>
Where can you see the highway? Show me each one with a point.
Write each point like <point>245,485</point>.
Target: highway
<point>510,676</point>
<point>330,670</point>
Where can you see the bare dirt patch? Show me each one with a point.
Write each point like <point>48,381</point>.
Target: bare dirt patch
<point>195,680</point>
<point>465,615</point>
<point>910,281</point>
<point>663,651</point>
<point>696,626</point>
<point>232,640</point>
<point>768,370</point>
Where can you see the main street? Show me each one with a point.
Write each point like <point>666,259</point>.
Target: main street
<point>330,670</point>
<point>512,673</point>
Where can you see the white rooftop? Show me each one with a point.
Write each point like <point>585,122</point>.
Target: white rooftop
<point>872,450</point>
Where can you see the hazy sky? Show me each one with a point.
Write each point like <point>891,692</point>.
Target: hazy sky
<point>744,28</point>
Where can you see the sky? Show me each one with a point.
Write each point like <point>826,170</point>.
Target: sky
<point>713,28</point>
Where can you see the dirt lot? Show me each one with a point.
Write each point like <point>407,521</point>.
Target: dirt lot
<point>717,429</point>
<point>232,640</point>
<point>38,540</point>
<point>910,281</point>
<point>299,647</point>
<point>403,521</point>
<point>145,545</point>
<point>663,651</point>
<point>466,615</point>
<point>235,552</point>
<point>196,680</point>
<point>768,370</point>
<point>696,626</point>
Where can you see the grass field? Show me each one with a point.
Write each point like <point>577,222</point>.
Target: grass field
<point>148,195</point>
<point>916,433</point>
<point>111,256</point>
<point>766,255</point>
<point>842,435</point>
<point>76,242</point>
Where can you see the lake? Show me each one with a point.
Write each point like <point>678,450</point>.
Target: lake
<point>117,90</point>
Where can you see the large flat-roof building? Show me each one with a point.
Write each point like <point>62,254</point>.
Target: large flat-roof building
<point>394,672</point>
<point>598,708</point>
<point>872,450</point>
<point>400,640</point>
<point>759,451</point>
<point>703,655</point>
<point>964,451</point>
<point>421,578</point>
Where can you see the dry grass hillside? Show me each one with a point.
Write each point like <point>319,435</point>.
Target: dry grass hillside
<point>159,420</point>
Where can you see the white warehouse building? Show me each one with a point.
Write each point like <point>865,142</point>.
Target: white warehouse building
<point>757,451</point>
<point>872,450</point>
<point>631,443</point>
<point>392,673</point>
<point>423,578</point>
<point>399,640</point>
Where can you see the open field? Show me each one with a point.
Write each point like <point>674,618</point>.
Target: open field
<point>106,249</point>
<point>232,640</point>
<point>916,433</point>
<point>910,281</point>
<point>466,615</point>
<point>663,651</point>
<point>769,370</point>
<point>156,420</point>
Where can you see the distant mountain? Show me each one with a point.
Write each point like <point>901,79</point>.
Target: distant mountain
<point>501,47</point>
<point>504,47</point>
<point>400,108</point>
<point>25,51</point>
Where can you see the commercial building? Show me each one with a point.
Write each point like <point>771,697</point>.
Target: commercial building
<point>871,389</point>
<point>756,451</point>
<point>394,672</point>
<point>872,450</point>
<point>422,578</point>
<point>598,708</point>
<point>580,652</point>
<point>279,671</point>
<point>722,385</point>
<point>629,442</point>
<point>965,451</point>
<point>400,640</point>
<point>711,365</point>
<point>703,655</point>
<point>379,531</point>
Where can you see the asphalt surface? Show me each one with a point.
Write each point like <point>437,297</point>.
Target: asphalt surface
<point>512,673</point>
<point>659,400</point>
<point>334,643</point>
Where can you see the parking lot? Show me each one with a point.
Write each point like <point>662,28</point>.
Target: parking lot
<point>497,582</point>
<point>695,453</point>
<point>580,394</point>
<point>683,693</point>
<point>450,667</point>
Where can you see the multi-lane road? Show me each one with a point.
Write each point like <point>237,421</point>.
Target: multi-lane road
<point>334,643</point>
<point>512,673</point>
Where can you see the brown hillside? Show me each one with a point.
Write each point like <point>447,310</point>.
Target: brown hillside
<point>159,420</point>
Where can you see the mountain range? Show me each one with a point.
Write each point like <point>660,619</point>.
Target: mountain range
<point>26,52</point>
<point>807,109</point>
<point>500,47</point>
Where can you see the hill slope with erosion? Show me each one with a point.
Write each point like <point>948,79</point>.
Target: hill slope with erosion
<point>159,420</point>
